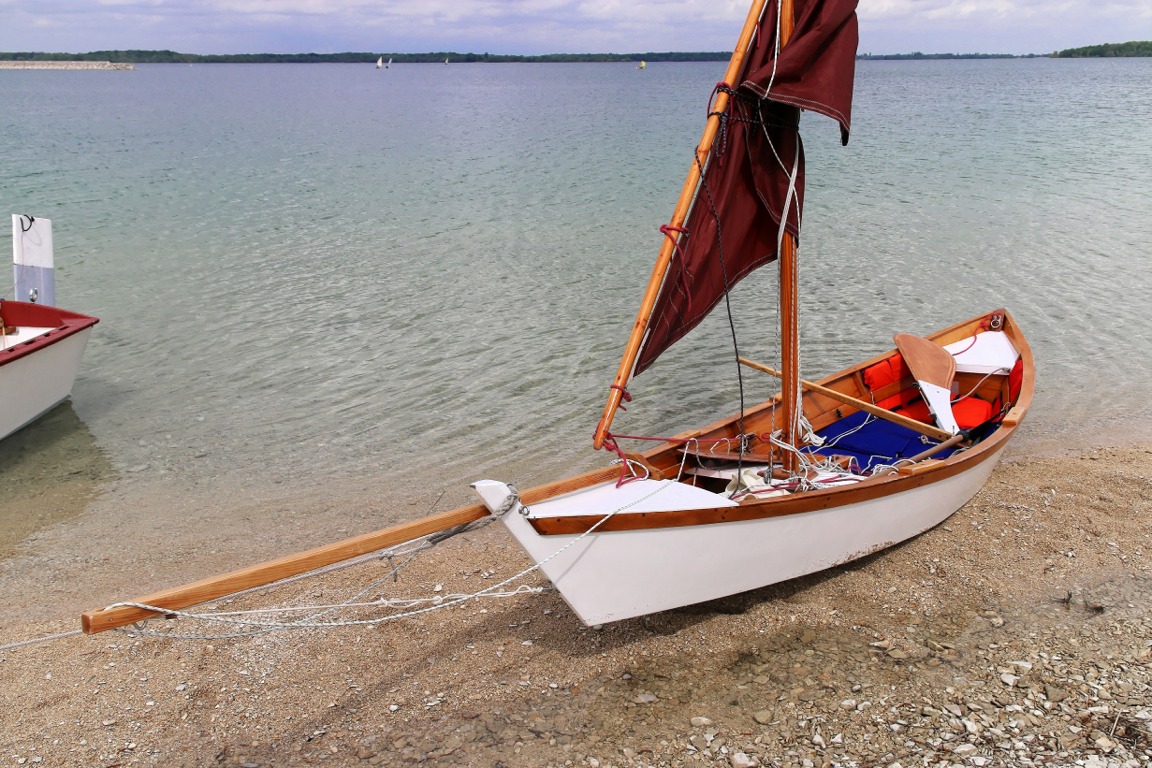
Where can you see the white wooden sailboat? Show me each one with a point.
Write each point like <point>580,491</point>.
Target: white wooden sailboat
<point>821,474</point>
<point>41,346</point>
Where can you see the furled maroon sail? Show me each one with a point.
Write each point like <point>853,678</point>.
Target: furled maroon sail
<point>733,225</point>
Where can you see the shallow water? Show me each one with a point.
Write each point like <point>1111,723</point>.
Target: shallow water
<point>314,276</point>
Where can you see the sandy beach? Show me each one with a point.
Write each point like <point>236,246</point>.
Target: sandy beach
<point>1018,633</point>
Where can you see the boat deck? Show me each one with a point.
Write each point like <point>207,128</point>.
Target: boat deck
<point>19,334</point>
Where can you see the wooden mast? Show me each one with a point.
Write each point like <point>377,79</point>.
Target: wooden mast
<point>789,314</point>
<point>628,362</point>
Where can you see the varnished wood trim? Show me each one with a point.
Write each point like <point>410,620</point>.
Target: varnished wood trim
<point>800,503</point>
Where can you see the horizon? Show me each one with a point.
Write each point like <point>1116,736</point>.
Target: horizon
<point>529,27</point>
<point>621,54</point>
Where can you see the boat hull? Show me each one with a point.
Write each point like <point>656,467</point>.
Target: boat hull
<point>619,552</point>
<point>609,576</point>
<point>37,374</point>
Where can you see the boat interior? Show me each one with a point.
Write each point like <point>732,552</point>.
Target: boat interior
<point>844,442</point>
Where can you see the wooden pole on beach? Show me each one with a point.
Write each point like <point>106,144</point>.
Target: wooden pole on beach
<point>292,565</point>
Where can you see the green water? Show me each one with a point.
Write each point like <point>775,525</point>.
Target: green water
<point>311,274</point>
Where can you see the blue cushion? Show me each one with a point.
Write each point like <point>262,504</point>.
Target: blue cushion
<point>872,441</point>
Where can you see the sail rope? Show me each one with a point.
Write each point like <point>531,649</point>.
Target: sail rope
<point>411,607</point>
<point>727,301</point>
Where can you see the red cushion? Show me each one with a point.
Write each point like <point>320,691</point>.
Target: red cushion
<point>919,411</point>
<point>1015,380</point>
<point>971,412</point>
<point>885,372</point>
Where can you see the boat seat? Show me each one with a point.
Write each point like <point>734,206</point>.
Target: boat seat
<point>871,441</point>
<point>969,412</point>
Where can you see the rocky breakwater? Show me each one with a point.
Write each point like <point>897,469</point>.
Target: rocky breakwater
<point>63,65</point>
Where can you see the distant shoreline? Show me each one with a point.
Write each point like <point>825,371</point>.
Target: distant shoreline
<point>124,59</point>
<point>91,65</point>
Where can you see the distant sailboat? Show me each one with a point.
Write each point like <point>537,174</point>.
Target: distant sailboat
<point>380,62</point>
<point>445,61</point>
<point>643,64</point>
<point>388,65</point>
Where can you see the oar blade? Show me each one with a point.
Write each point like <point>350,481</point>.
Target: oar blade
<point>933,367</point>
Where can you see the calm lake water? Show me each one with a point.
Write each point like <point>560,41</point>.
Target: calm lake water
<point>314,274</point>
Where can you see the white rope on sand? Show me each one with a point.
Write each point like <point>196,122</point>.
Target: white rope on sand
<point>38,640</point>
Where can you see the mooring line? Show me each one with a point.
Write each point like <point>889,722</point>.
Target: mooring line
<point>37,640</point>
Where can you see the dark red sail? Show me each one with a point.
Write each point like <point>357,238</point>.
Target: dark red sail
<point>733,226</point>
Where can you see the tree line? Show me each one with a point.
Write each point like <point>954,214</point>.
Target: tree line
<point>172,57</point>
<point>1108,50</point>
<point>1136,48</point>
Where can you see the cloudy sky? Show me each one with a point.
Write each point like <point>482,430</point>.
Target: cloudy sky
<point>543,26</point>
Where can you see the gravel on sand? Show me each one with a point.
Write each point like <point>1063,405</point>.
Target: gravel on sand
<point>1018,633</point>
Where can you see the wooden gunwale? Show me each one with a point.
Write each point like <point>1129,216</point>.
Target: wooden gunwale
<point>779,506</point>
<point>811,501</point>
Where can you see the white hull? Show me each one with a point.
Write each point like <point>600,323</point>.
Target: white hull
<point>621,574</point>
<point>33,384</point>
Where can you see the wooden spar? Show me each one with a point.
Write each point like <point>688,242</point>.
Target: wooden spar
<point>789,349</point>
<point>275,570</point>
<point>292,565</point>
<point>864,405</point>
<point>933,368</point>
<point>927,360</point>
<point>789,312</point>
<point>687,193</point>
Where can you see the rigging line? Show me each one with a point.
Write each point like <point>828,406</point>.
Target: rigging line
<point>727,302</point>
<point>38,640</point>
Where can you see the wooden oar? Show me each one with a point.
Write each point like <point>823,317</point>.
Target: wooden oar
<point>292,565</point>
<point>864,405</point>
<point>933,367</point>
<point>909,464</point>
